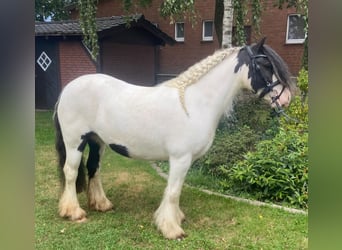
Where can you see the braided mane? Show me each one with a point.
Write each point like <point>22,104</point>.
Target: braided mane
<point>197,71</point>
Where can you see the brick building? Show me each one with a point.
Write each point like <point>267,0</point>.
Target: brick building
<point>195,46</point>
<point>173,59</point>
<point>284,30</point>
<point>148,62</point>
<point>61,56</point>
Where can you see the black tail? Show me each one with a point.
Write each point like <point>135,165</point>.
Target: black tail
<point>60,148</point>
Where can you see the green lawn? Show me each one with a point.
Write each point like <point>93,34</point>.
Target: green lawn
<point>135,189</point>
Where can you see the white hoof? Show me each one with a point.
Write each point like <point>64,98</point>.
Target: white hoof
<point>169,223</point>
<point>103,205</point>
<point>73,212</point>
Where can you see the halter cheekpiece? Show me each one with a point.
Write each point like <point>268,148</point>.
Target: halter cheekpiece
<point>256,69</point>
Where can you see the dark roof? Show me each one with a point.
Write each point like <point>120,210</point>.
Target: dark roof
<point>73,28</point>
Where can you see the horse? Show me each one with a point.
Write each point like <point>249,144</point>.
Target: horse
<point>175,120</point>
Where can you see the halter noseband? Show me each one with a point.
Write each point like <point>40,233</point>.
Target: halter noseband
<point>256,69</point>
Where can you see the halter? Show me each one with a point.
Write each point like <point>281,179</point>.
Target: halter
<point>256,69</point>
<point>269,85</point>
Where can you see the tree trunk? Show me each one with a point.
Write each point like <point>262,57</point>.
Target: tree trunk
<point>227,24</point>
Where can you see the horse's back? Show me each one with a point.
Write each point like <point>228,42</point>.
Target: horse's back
<point>88,91</point>
<point>91,84</point>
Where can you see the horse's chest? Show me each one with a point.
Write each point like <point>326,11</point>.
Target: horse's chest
<point>207,142</point>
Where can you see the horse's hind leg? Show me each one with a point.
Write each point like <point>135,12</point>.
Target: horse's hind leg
<point>68,203</point>
<point>97,199</point>
<point>168,216</point>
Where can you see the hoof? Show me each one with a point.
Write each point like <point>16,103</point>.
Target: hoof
<point>102,206</point>
<point>168,221</point>
<point>176,233</point>
<point>84,219</point>
<point>73,213</point>
<point>169,228</point>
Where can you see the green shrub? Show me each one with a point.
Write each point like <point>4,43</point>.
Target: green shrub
<point>250,121</point>
<point>278,169</point>
<point>253,112</point>
<point>228,148</point>
<point>299,108</point>
<point>263,155</point>
<point>303,81</point>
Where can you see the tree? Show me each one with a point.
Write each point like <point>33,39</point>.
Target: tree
<point>172,9</point>
<point>87,10</point>
<point>236,10</point>
<point>227,23</point>
<point>54,9</point>
<point>177,9</point>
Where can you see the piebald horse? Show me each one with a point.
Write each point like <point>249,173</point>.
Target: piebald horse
<point>175,121</point>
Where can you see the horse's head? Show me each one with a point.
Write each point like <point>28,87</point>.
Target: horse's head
<point>269,74</point>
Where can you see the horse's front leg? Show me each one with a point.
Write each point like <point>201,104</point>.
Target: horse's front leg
<point>168,216</point>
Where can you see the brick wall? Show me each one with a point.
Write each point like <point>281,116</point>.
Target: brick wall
<point>139,62</point>
<point>74,61</point>
<point>273,26</point>
<point>177,58</point>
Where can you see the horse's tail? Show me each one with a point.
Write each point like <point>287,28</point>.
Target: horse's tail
<point>61,154</point>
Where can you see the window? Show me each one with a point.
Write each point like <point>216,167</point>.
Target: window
<point>295,29</point>
<point>179,32</point>
<point>207,33</point>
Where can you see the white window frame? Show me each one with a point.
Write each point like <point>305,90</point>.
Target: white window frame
<point>204,37</point>
<point>292,41</point>
<point>179,39</point>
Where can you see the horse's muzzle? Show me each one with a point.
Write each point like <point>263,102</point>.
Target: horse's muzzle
<point>282,100</point>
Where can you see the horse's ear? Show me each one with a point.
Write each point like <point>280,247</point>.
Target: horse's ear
<point>258,46</point>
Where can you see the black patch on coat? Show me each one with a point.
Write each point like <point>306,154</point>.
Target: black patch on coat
<point>91,139</point>
<point>93,158</point>
<point>122,150</point>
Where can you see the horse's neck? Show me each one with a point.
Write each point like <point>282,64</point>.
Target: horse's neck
<point>218,88</point>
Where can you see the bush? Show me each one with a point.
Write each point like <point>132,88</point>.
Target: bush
<point>278,169</point>
<point>265,156</point>
<point>228,148</point>
<point>251,111</point>
<point>303,82</point>
<point>298,111</point>
<point>237,134</point>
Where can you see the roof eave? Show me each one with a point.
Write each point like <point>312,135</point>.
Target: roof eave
<point>136,20</point>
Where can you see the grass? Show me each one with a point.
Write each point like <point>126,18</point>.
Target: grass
<point>136,190</point>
